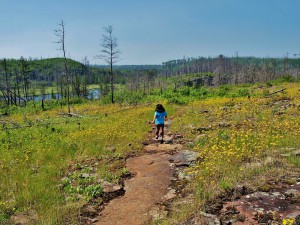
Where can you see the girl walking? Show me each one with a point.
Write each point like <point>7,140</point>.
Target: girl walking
<point>160,115</point>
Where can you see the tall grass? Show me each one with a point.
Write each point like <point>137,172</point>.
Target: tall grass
<point>244,142</point>
<point>34,159</point>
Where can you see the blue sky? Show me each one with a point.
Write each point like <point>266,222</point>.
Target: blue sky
<point>151,31</point>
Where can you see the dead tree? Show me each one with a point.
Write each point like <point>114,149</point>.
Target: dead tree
<point>25,77</point>
<point>110,54</point>
<point>6,89</point>
<point>60,33</point>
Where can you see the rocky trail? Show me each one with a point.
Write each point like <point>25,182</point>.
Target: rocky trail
<point>150,187</point>
<point>147,194</point>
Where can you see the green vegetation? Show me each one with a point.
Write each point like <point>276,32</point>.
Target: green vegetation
<point>36,158</point>
<point>52,162</point>
<point>247,142</point>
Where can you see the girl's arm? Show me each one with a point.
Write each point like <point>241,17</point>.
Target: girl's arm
<point>153,119</point>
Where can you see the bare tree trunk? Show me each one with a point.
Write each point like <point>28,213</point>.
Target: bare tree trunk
<point>110,55</point>
<point>60,33</point>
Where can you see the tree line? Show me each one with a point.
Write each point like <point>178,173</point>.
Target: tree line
<point>22,79</point>
<point>233,70</point>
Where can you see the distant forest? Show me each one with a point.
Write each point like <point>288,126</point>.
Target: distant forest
<point>233,70</point>
<point>22,78</point>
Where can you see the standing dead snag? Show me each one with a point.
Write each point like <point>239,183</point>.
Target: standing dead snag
<point>110,54</point>
<point>60,33</point>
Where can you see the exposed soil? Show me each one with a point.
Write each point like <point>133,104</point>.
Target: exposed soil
<point>150,187</point>
<point>152,177</point>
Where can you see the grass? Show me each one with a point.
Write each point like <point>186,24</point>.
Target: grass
<point>240,131</point>
<point>243,133</point>
<point>34,159</point>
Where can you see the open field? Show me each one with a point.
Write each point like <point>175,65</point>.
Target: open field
<point>230,135</point>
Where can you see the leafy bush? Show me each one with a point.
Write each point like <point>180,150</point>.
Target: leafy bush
<point>93,190</point>
<point>243,92</point>
<point>186,91</point>
<point>224,90</point>
<point>284,79</point>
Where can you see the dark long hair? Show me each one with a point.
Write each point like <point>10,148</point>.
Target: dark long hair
<point>159,108</point>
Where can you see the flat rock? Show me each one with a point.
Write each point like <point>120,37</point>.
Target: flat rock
<point>209,219</point>
<point>170,195</point>
<point>169,147</point>
<point>184,158</point>
<point>110,188</point>
<point>256,207</point>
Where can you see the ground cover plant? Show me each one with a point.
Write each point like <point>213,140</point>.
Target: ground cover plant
<point>38,147</point>
<point>46,156</point>
<point>240,141</point>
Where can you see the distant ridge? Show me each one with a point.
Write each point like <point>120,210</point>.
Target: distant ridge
<point>131,67</point>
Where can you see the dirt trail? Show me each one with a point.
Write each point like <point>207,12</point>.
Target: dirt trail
<point>152,177</point>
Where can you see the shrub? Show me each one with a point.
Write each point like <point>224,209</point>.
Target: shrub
<point>224,90</point>
<point>285,78</point>
<point>185,91</point>
<point>243,92</point>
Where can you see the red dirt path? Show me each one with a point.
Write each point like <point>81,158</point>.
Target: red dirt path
<point>153,175</point>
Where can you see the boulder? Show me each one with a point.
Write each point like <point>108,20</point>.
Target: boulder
<point>184,158</point>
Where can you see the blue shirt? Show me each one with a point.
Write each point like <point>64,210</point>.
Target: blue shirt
<point>160,117</point>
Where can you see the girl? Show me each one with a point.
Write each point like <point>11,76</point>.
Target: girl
<point>160,115</point>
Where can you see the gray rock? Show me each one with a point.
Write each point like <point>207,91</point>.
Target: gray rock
<point>169,141</point>
<point>185,158</point>
<point>85,175</point>
<point>110,188</point>
<point>117,187</point>
<point>210,219</point>
<point>291,193</point>
<point>170,195</point>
